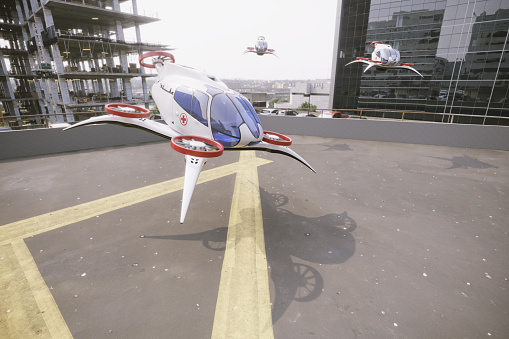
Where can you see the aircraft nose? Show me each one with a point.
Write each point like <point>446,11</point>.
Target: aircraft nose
<point>248,137</point>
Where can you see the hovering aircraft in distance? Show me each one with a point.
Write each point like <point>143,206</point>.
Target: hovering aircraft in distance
<point>203,117</point>
<point>384,57</point>
<point>260,48</point>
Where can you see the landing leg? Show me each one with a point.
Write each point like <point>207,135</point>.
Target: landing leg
<point>192,172</point>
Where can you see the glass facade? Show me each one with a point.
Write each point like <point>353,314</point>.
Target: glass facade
<point>459,46</point>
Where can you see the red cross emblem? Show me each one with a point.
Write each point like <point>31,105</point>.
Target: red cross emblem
<point>183,119</point>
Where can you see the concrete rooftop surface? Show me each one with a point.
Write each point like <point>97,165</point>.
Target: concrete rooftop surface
<point>386,240</point>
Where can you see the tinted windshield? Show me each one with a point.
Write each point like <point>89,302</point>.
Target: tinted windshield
<point>225,120</point>
<point>261,45</point>
<point>196,104</point>
<point>251,110</point>
<point>199,107</point>
<point>227,113</point>
<point>389,56</point>
<point>246,113</point>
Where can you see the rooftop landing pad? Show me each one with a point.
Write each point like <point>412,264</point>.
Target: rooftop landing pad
<point>387,240</point>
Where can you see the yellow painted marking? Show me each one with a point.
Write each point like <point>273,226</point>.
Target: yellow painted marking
<point>47,305</point>
<point>53,220</point>
<point>34,312</point>
<point>243,302</point>
<point>20,316</point>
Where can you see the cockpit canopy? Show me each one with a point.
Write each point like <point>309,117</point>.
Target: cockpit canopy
<point>387,55</point>
<point>261,45</point>
<point>228,111</point>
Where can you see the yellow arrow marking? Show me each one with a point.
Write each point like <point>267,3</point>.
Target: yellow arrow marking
<point>36,311</point>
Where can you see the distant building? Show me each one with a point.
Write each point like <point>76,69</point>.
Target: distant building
<point>313,92</point>
<point>60,60</point>
<point>279,85</point>
<point>257,99</point>
<point>461,48</point>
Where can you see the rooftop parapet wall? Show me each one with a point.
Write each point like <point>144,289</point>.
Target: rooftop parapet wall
<point>409,132</point>
<point>24,143</point>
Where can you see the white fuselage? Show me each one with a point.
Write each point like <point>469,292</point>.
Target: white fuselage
<point>184,98</point>
<point>261,46</point>
<point>386,55</point>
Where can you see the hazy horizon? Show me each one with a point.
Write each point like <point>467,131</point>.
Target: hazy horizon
<point>212,35</point>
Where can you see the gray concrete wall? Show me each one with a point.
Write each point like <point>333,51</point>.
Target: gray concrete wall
<point>410,132</point>
<point>25,143</point>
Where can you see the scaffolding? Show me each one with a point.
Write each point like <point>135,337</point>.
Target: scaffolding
<point>61,60</point>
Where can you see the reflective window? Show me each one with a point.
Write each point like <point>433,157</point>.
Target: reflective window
<point>244,110</point>
<point>458,45</point>
<point>225,120</point>
<point>213,90</point>
<point>195,105</point>
<point>183,96</point>
<point>251,109</point>
<point>225,140</point>
<point>199,107</point>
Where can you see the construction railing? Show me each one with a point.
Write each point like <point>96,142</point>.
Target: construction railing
<point>49,120</point>
<point>391,115</point>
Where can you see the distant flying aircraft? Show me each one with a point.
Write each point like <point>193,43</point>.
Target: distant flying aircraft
<point>203,117</point>
<point>260,48</point>
<point>384,57</point>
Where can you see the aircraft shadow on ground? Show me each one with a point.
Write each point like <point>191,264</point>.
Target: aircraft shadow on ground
<point>465,162</point>
<point>337,147</point>
<point>325,240</point>
<point>322,240</point>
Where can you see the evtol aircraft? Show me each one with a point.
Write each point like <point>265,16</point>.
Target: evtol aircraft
<point>261,48</point>
<point>384,57</point>
<point>203,117</point>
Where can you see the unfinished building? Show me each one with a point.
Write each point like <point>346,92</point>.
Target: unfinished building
<point>62,60</point>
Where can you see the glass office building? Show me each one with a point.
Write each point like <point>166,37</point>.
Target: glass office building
<point>459,46</point>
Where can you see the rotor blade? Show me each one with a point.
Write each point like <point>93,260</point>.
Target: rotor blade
<point>192,172</point>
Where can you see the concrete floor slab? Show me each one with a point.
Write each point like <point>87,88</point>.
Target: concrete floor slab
<point>387,240</point>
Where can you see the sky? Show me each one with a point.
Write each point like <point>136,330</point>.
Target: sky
<point>211,36</point>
